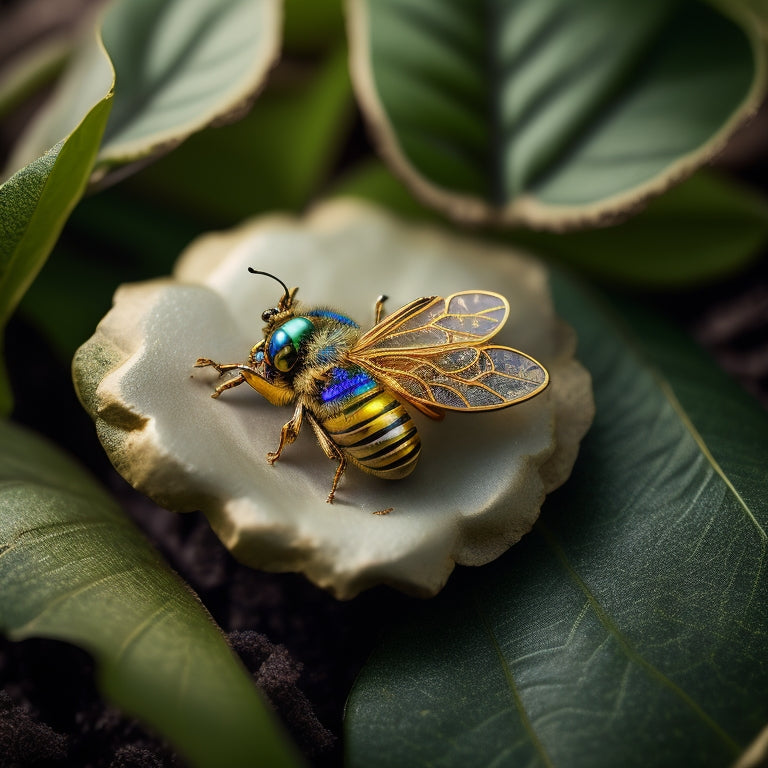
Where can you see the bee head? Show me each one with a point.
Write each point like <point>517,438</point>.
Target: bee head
<point>283,345</point>
<point>283,332</point>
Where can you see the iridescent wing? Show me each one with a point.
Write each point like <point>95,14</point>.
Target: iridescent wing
<point>434,353</point>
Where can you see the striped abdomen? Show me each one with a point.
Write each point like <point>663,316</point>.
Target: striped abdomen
<point>372,428</point>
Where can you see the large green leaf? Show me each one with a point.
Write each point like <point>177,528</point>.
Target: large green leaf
<point>72,567</point>
<point>702,229</point>
<point>180,65</point>
<point>36,201</point>
<point>554,112</point>
<point>629,628</point>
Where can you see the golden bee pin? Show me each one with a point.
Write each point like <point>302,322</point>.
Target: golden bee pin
<point>434,354</point>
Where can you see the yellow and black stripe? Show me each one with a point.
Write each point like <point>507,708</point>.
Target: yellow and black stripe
<point>376,433</point>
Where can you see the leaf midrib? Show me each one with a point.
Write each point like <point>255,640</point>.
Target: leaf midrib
<point>645,361</point>
<point>501,189</point>
<point>688,424</point>
<point>677,406</point>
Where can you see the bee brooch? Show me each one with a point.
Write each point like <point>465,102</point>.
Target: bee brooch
<point>434,354</point>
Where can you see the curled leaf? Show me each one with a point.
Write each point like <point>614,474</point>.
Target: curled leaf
<point>551,112</point>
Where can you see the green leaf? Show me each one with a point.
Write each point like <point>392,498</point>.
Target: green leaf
<point>276,157</point>
<point>548,111</point>
<point>182,66</point>
<point>86,80</point>
<point>36,201</point>
<point>629,627</point>
<point>72,567</point>
<point>702,229</point>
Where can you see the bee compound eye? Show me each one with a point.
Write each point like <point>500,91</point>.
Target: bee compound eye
<point>285,358</point>
<point>268,313</point>
<point>282,350</point>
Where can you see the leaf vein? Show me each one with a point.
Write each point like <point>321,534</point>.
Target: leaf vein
<point>57,529</point>
<point>688,424</point>
<point>509,677</point>
<point>632,654</point>
<point>30,625</point>
<point>141,628</point>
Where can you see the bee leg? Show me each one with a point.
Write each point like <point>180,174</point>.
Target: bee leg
<point>332,451</point>
<point>222,368</point>
<point>378,308</point>
<point>288,434</point>
<point>228,384</point>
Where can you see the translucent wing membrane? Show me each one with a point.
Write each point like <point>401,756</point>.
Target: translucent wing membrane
<point>470,378</point>
<point>462,319</point>
<point>434,353</point>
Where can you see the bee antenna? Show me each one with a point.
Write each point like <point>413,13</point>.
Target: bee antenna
<point>287,297</point>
